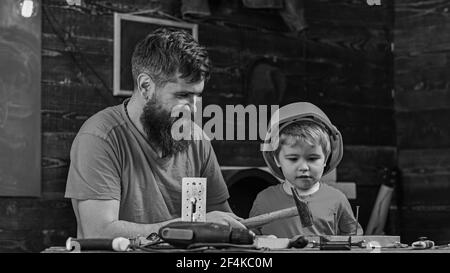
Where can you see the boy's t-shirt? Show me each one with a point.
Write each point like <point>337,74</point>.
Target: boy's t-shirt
<point>326,204</point>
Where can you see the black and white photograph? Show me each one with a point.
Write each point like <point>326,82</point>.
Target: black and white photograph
<point>225,135</point>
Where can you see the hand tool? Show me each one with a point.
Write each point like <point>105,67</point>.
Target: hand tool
<point>266,218</point>
<point>301,209</point>
<point>183,234</point>
<point>304,212</point>
<point>329,244</point>
<point>271,242</point>
<point>115,244</point>
<point>423,243</point>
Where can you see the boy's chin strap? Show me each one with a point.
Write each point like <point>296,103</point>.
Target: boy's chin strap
<point>288,185</point>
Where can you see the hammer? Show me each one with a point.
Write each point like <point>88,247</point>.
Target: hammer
<point>301,209</point>
<point>266,218</point>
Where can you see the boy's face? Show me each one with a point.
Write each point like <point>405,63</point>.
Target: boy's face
<point>302,164</point>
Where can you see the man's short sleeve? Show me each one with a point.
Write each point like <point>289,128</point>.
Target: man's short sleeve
<point>217,191</point>
<point>94,171</point>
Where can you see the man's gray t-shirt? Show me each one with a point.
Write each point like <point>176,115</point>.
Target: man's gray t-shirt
<point>111,159</point>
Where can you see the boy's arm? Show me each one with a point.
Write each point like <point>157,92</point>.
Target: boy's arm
<point>347,221</point>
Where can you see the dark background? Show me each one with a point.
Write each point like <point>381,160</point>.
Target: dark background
<point>380,73</point>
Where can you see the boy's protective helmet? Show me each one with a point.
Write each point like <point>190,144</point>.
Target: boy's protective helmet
<point>301,111</point>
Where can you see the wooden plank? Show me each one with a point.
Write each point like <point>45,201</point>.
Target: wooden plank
<point>420,100</point>
<point>349,13</point>
<point>422,84</point>
<point>429,221</point>
<point>65,68</point>
<point>70,21</point>
<point>366,165</point>
<point>55,163</point>
<point>423,39</point>
<point>365,44</point>
<point>425,176</point>
<point>61,121</point>
<point>233,13</point>
<point>410,14</point>
<point>81,101</point>
<point>362,126</point>
<point>87,45</point>
<point>33,240</point>
<point>427,129</point>
<point>19,214</point>
<point>424,160</point>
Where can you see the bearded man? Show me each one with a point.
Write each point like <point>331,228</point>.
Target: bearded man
<point>126,167</point>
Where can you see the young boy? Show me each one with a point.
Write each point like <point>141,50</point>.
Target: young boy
<point>307,147</point>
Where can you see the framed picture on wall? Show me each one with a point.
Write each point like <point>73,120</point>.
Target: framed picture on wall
<point>128,31</point>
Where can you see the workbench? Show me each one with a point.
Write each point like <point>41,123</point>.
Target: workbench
<point>354,250</point>
<point>262,244</point>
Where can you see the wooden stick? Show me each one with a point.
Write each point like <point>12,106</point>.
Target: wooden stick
<point>264,219</point>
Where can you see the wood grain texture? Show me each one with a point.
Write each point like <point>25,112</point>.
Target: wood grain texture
<point>428,129</point>
<point>429,221</point>
<point>342,64</point>
<point>425,176</point>
<point>422,44</point>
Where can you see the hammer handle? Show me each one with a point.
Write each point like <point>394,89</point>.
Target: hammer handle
<point>264,219</point>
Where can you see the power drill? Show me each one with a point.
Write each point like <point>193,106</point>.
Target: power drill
<point>182,234</point>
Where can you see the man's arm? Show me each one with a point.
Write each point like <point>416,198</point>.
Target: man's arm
<point>100,219</point>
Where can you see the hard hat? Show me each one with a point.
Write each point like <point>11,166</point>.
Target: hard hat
<point>301,111</point>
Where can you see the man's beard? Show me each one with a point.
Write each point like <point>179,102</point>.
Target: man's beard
<point>157,124</point>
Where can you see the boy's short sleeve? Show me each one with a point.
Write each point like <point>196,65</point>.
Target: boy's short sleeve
<point>94,170</point>
<point>217,191</point>
<point>255,210</point>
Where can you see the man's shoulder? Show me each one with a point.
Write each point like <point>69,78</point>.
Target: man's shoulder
<point>101,123</point>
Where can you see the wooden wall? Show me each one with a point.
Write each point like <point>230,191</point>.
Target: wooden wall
<point>422,105</point>
<point>343,64</point>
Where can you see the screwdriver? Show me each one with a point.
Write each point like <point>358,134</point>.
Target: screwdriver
<point>423,243</point>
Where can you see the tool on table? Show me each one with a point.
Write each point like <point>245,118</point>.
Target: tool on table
<point>193,199</point>
<point>423,243</point>
<point>272,242</point>
<point>183,234</point>
<point>298,241</point>
<point>334,243</point>
<point>115,244</point>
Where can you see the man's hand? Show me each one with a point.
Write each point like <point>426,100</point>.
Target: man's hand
<point>225,218</point>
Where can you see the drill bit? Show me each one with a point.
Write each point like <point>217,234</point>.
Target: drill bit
<point>356,223</point>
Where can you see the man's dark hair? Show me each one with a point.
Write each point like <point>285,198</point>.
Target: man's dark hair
<point>165,52</point>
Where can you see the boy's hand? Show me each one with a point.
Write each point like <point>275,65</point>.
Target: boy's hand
<point>225,218</point>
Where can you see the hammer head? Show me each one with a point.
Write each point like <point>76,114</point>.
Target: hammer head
<point>303,209</point>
